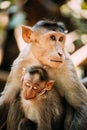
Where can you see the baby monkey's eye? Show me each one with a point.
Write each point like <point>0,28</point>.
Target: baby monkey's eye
<point>28,85</point>
<point>60,39</point>
<point>35,88</point>
<point>52,37</point>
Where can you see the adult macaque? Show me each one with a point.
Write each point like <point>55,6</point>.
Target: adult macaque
<point>46,48</point>
<point>38,102</point>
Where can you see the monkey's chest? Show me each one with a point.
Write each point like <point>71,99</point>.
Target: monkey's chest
<point>30,111</point>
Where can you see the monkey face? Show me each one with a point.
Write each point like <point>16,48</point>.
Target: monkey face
<point>50,49</point>
<point>32,86</point>
<point>46,46</point>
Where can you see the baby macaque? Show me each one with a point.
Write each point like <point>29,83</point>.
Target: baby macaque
<point>38,103</point>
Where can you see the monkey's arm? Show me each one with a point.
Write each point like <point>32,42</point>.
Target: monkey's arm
<point>76,95</point>
<point>3,114</point>
<point>70,85</point>
<point>80,119</point>
<point>15,114</point>
<point>68,117</point>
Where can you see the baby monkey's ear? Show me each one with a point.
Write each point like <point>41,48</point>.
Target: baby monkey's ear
<point>49,85</point>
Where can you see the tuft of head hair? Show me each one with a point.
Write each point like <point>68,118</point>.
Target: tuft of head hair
<point>51,25</point>
<point>39,70</point>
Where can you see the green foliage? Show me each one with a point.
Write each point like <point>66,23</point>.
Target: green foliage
<point>84,4</point>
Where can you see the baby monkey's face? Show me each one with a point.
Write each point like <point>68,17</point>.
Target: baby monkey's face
<point>32,86</point>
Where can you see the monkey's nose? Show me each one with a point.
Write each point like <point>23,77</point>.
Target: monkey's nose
<point>60,54</point>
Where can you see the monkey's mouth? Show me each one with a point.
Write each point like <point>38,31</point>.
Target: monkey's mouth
<point>58,61</point>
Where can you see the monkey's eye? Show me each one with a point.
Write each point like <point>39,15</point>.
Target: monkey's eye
<point>28,85</point>
<point>60,39</point>
<point>35,88</point>
<point>52,37</point>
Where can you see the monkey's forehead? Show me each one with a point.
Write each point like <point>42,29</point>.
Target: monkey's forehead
<point>35,78</point>
<point>44,30</point>
<point>32,77</point>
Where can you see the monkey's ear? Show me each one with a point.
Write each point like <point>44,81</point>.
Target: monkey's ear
<point>49,85</point>
<point>26,34</point>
